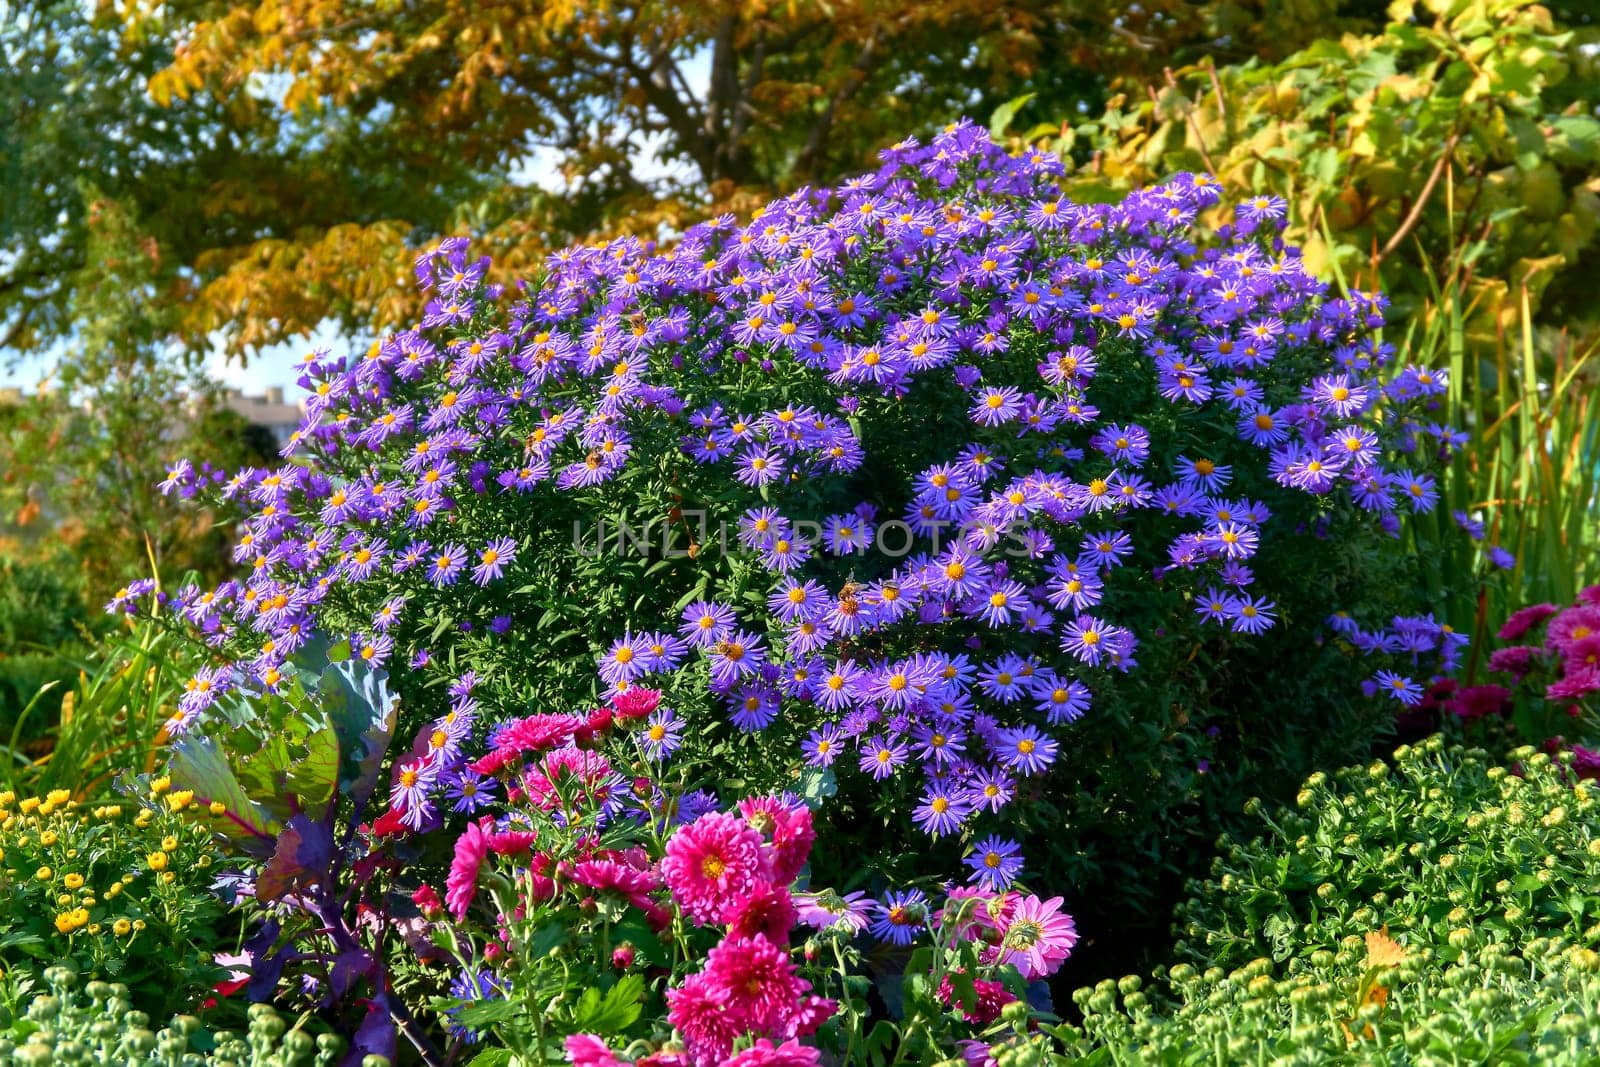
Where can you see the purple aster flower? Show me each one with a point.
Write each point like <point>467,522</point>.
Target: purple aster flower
<point>706,622</point>
<point>881,757</point>
<point>446,565</point>
<point>1398,686</point>
<point>413,781</point>
<point>1086,638</point>
<point>1026,750</point>
<point>901,915</point>
<point>471,791</point>
<point>1060,700</point>
<point>821,746</point>
<point>1250,615</point>
<point>759,466</point>
<point>736,656</point>
<point>627,659</point>
<point>991,790</point>
<point>940,813</point>
<point>995,863</point>
<point>493,560</point>
<point>662,734</point>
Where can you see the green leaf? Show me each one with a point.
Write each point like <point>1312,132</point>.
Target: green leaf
<point>546,938</point>
<point>492,1057</point>
<point>612,1013</point>
<point>483,1014</point>
<point>1005,113</point>
<point>816,785</point>
<point>362,709</point>
<point>197,764</point>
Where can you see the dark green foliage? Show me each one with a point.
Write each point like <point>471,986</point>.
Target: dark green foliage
<point>1437,910</point>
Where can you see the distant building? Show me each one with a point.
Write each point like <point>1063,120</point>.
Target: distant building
<point>269,410</point>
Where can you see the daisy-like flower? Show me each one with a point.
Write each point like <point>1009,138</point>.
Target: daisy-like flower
<point>759,466</point>
<point>495,557</point>
<point>413,781</point>
<point>1061,701</point>
<point>706,622</point>
<point>627,660</point>
<point>1086,638</point>
<point>846,534</point>
<point>995,407</point>
<point>826,909</point>
<point>1038,937</point>
<point>446,564</point>
<point>1026,750</point>
<point>991,790</point>
<point>940,813</point>
<point>995,863</point>
<point>1250,615</point>
<point>1399,686</point>
<point>821,747</point>
<point>471,791</point>
<point>901,915</point>
<point>662,734</point>
<point>881,757</point>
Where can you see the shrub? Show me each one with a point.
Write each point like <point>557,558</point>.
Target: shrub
<point>1437,908</point>
<point>96,1022</point>
<point>1451,160</point>
<point>1442,840</point>
<point>1532,1003</point>
<point>980,451</point>
<point>122,889</point>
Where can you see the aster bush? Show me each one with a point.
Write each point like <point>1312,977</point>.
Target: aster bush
<point>119,888</point>
<point>936,491</point>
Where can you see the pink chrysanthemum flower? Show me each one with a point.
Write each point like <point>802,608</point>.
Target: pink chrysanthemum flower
<point>1576,685</point>
<point>1571,626</point>
<point>711,864</point>
<point>472,847</point>
<point>699,1010</point>
<point>1525,619</point>
<point>756,980</point>
<point>765,1054</point>
<point>586,1050</point>
<point>788,828</point>
<point>1039,937</point>
<point>991,997</point>
<point>767,910</point>
<point>635,703</point>
<point>631,882</point>
<point>792,839</point>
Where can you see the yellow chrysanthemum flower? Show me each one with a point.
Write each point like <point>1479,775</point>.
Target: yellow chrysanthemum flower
<point>68,921</point>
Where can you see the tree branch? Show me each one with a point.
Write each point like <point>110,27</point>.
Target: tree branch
<point>1423,197</point>
<point>854,79</point>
